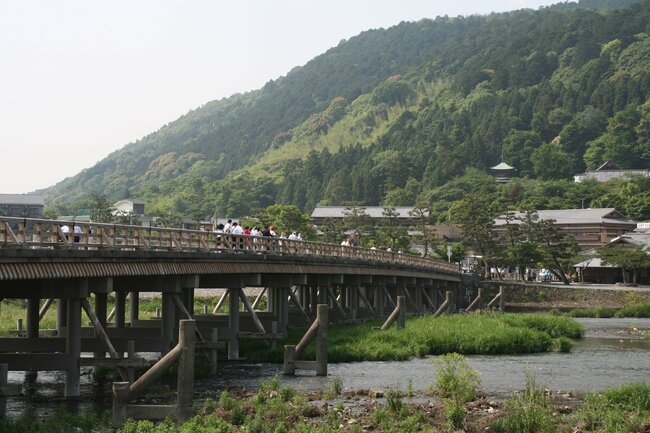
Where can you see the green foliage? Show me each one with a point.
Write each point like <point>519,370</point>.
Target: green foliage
<point>630,258</point>
<point>530,412</point>
<point>62,422</point>
<point>394,400</point>
<point>456,379</point>
<point>623,409</point>
<point>562,344</point>
<point>637,310</point>
<point>100,209</point>
<point>467,334</point>
<point>336,385</point>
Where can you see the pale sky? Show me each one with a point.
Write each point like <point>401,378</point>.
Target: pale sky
<point>80,79</point>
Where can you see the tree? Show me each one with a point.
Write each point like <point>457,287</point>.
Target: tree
<point>550,162</point>
<point>391,232</point>
<point>423,218</point>
<point>359,222</point>
<point>558,249</point>
<point>475,215</point>
<point>629,258</point>
<point>101,210</point>
<point>458,251</point>
<point>333,230</point>
<point>285,219</point>
<point>523,249</point>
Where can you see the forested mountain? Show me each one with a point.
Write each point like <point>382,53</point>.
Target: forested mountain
<point>416,112</point>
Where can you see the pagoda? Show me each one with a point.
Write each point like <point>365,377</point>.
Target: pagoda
<point>502,172</point>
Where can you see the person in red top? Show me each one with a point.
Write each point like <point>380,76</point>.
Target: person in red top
<point>247,230</point>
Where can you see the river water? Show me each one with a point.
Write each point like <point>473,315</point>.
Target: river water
<point>613,352</point>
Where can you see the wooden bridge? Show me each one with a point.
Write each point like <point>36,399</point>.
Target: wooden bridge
<point>77,266</point>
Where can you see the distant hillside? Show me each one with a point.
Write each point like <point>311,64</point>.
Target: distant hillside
<point>390,115</point>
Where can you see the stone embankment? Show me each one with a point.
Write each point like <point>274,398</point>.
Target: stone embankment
<point>544,296</point>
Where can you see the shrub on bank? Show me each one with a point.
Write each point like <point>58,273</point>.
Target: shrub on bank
<point>634,310</point>
<point>622,409</point>
<point>637,310</point>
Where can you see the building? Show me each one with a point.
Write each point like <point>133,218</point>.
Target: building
<point>502,172</point>
<point>593,270</point>
<point>609,171</point>
<point>22,205</point>
<point>591,228</point>
<point>404,218</point>
<point>129,207</point>
<point>321,213</point>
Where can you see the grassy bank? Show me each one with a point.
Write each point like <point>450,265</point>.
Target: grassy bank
<point>466,334</point>
<point>635,310</point>
<point>276,409</point>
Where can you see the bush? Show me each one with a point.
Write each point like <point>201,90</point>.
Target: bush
<point>562,344</point>
<point>529,412</point>
<point>394,400</point>
<point>625,408</point>
<point>206,424</point>
<point>456,379</point>
<point>455,413</point>
<point>631,397</point>
<point>638,310</point>
<point>226,401</point>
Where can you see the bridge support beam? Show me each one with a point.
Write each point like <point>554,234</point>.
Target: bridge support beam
<point>33,307</point>
<point>233,323</point>
<point>73,348</point>
<point>168,321</point>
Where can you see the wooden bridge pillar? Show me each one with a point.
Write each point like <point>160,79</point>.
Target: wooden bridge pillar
<point>134,307</point>
<point>168,320</point>
<point>61,316</point>
<point>101,304</point>
<point>120,309</point>
<point>233,323</point>
<point>73,347</point>
<point>33,307</point>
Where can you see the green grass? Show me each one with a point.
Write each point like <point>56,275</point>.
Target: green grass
<point>275,408</point>
<point>465,334</point>
<point>635,310</point>
<point>62,422</point>
<point>622,409</point>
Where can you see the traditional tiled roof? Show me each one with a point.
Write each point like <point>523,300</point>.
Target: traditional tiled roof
<point>577,216</point>
<point>632,238</point>
<point>502,166</point>
<point>22,199</point>
<point>373,211</point>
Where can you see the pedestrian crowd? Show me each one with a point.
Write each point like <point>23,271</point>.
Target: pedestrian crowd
<point>235,228</point>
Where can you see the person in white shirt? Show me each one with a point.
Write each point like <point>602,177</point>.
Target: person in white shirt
<point>293,236</point>
<point>237,229</point>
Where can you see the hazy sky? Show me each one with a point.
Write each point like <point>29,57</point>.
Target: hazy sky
<point>80,79</point>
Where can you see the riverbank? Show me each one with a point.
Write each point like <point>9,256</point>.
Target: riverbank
<point>279,408</point>
<point>546,296</point>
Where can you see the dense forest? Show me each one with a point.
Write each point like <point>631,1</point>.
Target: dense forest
<point>416,113</point>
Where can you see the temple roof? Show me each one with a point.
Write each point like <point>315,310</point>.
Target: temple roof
<point>502,166</point>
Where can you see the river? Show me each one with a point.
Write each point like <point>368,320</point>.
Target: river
<point>613,352</point>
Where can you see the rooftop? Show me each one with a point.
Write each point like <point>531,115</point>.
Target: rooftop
<point>22,199</point>
<point>373,211</point>
<point>502,166</point>
<point>578,216</point>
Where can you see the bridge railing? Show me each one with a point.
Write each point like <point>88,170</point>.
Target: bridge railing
<point>55,234</point>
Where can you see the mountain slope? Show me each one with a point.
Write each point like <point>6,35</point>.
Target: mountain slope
<point>391,114</point>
